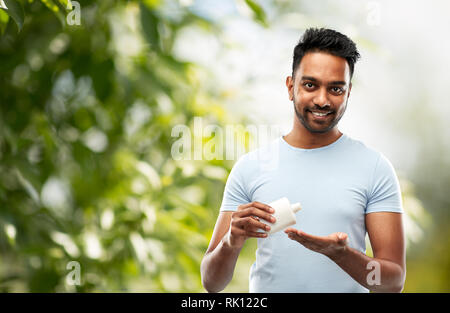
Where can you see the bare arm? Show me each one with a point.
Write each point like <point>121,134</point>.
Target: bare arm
<point>231,231</point>
<point>218,264</point>
<point>386,236</point>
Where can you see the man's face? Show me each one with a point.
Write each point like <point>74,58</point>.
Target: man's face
<point>320,91</point>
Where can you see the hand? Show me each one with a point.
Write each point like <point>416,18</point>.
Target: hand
<point>329,245</point>
<point>245,223</point>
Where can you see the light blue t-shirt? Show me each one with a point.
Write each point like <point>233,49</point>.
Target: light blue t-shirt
<point>337,185</point>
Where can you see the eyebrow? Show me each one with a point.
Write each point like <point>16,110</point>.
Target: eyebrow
<point>336,82</point>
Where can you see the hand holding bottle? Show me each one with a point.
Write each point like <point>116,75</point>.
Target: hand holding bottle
<point>245,223</point>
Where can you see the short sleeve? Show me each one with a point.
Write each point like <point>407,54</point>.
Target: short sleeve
<point>384,194</point>
<point>235,192</point>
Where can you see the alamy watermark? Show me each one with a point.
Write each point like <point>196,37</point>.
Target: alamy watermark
<point>73,278</point>
<point>374,276</point>
<point>74,16</point>
<point>205,141</point>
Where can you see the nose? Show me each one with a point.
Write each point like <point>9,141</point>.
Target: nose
<point>321,98</point>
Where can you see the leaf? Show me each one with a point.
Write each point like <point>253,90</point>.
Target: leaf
<point>149,22</point>
<point>57,8</point>
<point>15,11</point>
<point>66,3</point>
<point>4,18</point>
<point>7,41</point>
<point>49,4</point>
<point>260,15</point>
<point>60,5</point>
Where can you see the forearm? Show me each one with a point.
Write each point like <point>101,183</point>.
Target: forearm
<point>391,275</point>
<point>217,266</point>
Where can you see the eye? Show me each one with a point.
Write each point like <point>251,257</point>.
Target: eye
<point>308,85</point>
<point>337,90</point>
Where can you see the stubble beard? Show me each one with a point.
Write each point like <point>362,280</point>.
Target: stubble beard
<point>333,123</point>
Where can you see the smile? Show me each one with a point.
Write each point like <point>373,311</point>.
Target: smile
<point>320,114</point>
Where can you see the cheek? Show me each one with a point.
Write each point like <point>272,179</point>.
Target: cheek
<point>340,103</point>
<point>302,97</point>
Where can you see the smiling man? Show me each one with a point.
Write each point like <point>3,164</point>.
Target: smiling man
<point>346,189</point>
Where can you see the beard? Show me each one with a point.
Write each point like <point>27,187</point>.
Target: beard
<point>326,127</point>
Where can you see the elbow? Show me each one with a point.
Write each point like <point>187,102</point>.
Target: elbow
<point>209,287</point>
<point>393,284</point>
<point>206,283</point>
<point>401,284</point>
<point>398,288</point>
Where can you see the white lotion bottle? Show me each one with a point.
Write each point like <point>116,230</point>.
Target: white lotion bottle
<point>284,214</point>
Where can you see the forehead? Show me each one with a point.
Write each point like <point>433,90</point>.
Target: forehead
<point>324,66</point>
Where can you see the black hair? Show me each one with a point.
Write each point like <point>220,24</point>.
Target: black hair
<point>325,40</point>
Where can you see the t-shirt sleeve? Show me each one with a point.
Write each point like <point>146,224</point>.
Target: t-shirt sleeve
<point>385,194</point>
<point>235,192</point>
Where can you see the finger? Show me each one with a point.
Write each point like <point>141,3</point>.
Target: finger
<point>255,213</point>
<point>263,206</point>
<point>298,236</point>
<point>259,213</point>
<point>258,205</point>
<point>256,234</point>
<point>291,230</point>
<point>249,223</point>
<point>307,244</point>
<point>237,231</point>
<point>309,237</point>
<point>244,206</point>
<point>255,218</point>
<point>293,235</point>
<point>249,233</point>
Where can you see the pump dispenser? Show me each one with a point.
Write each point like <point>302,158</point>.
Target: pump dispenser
<point>284,214</point>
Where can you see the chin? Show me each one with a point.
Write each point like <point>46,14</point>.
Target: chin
<point>319,131</point>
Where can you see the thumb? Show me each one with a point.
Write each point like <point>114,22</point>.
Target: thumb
<point>342,238</point>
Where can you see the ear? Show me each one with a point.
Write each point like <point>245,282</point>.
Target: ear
<point>290,87</point>
<point>349,89</point>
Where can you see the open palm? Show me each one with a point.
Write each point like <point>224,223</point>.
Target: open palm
<point>327,245</point>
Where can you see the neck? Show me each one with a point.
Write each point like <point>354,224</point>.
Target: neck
<point>300,137</point>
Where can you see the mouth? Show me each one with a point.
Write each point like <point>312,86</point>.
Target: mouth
<point>320,115</point>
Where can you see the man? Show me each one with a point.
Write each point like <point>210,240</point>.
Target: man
<point>345,188</point>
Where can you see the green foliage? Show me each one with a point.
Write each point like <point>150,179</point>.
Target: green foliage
<point>15,11</point>
<point>86,172</point>
<point>258,11</point>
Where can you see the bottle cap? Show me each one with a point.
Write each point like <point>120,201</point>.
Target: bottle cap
<point>296,207</point>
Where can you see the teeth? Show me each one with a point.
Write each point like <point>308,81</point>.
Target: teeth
<point>319,114</point>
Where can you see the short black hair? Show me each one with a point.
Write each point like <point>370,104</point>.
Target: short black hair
<point>325,40</point>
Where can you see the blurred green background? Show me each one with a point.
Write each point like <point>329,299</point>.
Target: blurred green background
<point>87,114</point>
